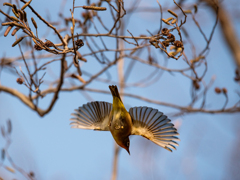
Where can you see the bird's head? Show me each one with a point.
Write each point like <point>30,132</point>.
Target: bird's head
<point>126,144</point>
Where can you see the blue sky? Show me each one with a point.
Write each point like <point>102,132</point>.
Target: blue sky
<point>52,150</point>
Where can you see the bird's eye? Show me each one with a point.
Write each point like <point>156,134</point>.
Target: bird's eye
<point>127,143</point>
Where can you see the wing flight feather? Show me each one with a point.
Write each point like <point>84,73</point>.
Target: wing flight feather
<point>93,115</point>
<point>155,126</point>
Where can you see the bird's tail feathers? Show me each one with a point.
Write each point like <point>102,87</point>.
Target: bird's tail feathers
<point>114,91</point>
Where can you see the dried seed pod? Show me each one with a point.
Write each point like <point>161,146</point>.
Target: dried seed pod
<point>9,169</point>
<point>94,8</point>
<point>164,20</point>
<point>79,55</point>
<point>195,8</point>
<point>237,72</point>
<point>17,41</point>
<point>174,21</point>
<point>165,43</point>
<point>79,43</point>
<point>84,14</point>
<point>18,25</point>
<point>196,85</point>
<point>37,47</point>
<point>83,59</point>
<point>78,77</point>
<point>15,8</point>
<point>7,31</point>
<point>14,31</point>
<point>178,43</point>
<point>171,37</point>
<point>169,19</point>
<point>172,53</point>
<point>218,90</point>
<point>7,24</point>
<point>20,80</point>
<point>165,31</point>
<point>178,50</point>
<point>224,90</point>
<point>25,5</point>
<point>14,18</point>
<point>34,23</point>
<point>49,44</point>
<point>197,59</point>
<point>75,61</point>
<point>73,76</point>
<point>188,11</point>
<point>7,4</point>
<point>21,14</point>
<point>25,16</point>
<point>31,174</point>
<point>173,13</point>
<point>150,59</point>
<point>15,13</point>
<point>237,78</point>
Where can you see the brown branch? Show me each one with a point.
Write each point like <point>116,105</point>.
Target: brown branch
<point>213,29</point>
<point>47,23</point>
<point>28,101</point>
<point>133,37</point>
<point>161,15</point>
<point>20,96</point>
<point>55,97</point>
<point>52,90</point>
<point>186,109</point>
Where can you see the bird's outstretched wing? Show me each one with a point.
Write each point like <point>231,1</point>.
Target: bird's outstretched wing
<point>93,115</point>
<point>153,125</point>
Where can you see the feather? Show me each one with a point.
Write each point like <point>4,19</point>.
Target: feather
<point>93,115</point>
<point>155,126</point>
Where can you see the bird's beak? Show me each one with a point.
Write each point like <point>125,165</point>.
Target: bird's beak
<point>127,149</point>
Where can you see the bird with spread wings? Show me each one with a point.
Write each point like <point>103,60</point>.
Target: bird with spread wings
<point>145,121</point>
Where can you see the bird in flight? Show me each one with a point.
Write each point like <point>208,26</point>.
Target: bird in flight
<point>145,121</point>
